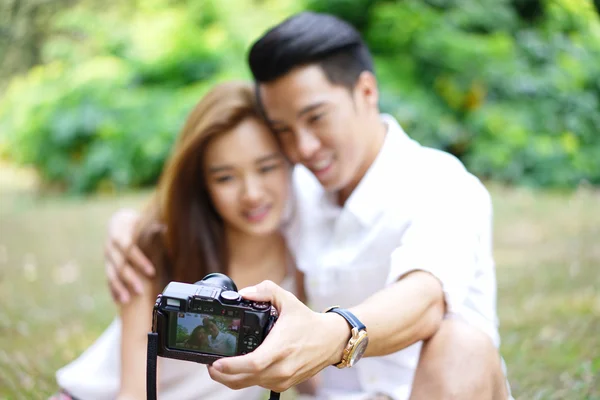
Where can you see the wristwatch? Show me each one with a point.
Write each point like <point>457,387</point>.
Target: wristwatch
<point>358,341</point>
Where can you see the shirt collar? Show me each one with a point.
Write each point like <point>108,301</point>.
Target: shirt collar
<point>365,202</point>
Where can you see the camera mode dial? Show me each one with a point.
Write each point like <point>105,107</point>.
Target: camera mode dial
<point>260,305</point>
<point>230,297</point>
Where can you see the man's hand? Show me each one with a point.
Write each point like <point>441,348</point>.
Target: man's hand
<point>301,343</point>
<point>123,260</point>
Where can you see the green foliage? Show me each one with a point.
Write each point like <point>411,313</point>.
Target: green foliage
<point>182,334</point>
<point>85,133</point>
<point>105,108</point>
<point>511,87</point>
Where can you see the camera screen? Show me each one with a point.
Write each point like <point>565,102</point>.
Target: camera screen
<point>204,333</point>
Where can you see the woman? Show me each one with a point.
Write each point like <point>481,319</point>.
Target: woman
<point>198,339</point>
<point>217,208</point>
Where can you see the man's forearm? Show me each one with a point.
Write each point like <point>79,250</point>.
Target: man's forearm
<point>402,314</point>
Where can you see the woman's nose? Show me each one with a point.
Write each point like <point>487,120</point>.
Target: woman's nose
<point>252,191</point>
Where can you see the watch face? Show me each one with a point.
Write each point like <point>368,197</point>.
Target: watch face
<point>359,349</point>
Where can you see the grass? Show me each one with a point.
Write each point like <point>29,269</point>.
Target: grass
<point>54,302</point>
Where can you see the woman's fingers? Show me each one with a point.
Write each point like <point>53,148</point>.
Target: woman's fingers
<point>118,290</point>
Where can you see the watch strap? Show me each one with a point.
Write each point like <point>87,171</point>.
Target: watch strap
<point>348,316</point>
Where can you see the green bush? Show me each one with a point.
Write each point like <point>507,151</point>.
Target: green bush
<point>511,87</point>
<point>118,81</point>
<point>93,133</point>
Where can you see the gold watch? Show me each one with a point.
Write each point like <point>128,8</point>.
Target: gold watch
<point>358,341</point>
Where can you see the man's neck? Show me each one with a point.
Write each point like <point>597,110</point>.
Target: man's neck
<point>374,145</point>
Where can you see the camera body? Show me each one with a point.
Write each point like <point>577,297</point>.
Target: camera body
<point>209,320</point>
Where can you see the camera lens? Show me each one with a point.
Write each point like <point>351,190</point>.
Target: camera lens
<point>218,280</point>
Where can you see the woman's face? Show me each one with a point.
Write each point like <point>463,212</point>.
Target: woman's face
<point>201,337</point>
<point>247,178</point>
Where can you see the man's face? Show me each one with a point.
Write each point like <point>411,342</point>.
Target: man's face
<point>212,329</point>
<point>323,126</point>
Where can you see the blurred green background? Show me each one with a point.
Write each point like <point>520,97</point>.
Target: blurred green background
<point>511,87</point>
<point>93,93</point>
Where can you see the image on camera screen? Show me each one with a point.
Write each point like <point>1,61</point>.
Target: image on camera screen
<point>205,333</point>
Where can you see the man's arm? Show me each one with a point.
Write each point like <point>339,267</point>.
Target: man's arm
<point>126,266</point>
<point>430,273</point>
<point>403,313</point>
<point>303,342</point>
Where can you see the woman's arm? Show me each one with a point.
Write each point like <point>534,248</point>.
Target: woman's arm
<point>136,320</point>
<point>136,315</point>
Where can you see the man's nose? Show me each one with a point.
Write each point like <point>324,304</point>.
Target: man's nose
<point>307,145</point>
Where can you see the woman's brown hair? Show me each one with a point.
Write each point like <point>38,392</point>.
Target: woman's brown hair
<point>193,338</point>
<point>180,231</point>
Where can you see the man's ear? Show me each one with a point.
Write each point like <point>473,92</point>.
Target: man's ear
<point>367,90</point>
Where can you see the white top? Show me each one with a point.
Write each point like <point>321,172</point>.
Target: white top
<point>416,208</point>
<point>223,343</point>
<point>95,375</point>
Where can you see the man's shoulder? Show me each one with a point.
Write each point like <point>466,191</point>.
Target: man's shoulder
<point>449,185</point>
<point>409,162</point>
<point>303,205</point>
<point>430,163</point>
<point>302,177</point>
<point>306,187</point>
<point>433,177</point>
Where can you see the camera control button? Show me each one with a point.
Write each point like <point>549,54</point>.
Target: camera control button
<point>260,305</point>
<point>250,342</point>
<point>229,296</point>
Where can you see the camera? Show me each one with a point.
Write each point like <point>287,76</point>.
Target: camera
<point>209,320</point>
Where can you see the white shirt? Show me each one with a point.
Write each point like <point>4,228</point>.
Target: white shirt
<point>223,343</point>
<point>96,374</point>
<point>415,209</point>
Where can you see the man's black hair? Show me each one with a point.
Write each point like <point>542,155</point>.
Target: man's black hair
<point>311,38</point>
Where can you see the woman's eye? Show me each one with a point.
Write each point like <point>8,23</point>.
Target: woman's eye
<point>315,118</point>
<point>268,168</point>
<point>282,131</point>
<point>224,178</point>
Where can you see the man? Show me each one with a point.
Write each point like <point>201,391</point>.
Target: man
<point>396,234</point>
<point>222,343</point>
